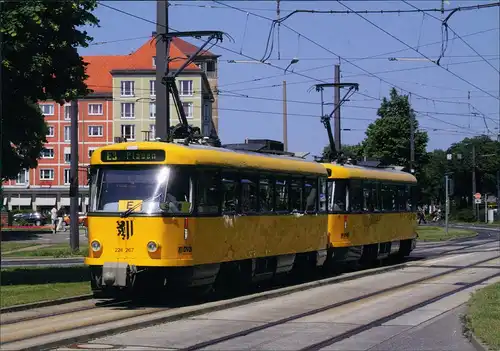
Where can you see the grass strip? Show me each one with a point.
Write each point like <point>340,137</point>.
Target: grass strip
<point>10,246</point>
<point>429,233</point>
<point>56,250</point>
<point>483,315</point>
<point>34,284</point>
<point>12,295</point>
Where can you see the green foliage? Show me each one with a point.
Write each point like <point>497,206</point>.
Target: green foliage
<point>40,62</point>
<point>388,138</point>
<point>352,151</point>
<point>431,180</point>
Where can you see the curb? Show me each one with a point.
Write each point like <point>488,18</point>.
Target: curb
<point>84,334</point>
<point>29,306</point>
<point>478,345</point>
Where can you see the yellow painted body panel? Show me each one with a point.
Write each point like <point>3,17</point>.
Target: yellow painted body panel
<point>365,229</point>
<point>356,172</point>
<point>212,239</point>
<point>211,156</point>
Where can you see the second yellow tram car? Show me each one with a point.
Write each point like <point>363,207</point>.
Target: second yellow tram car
<point>371,213</point>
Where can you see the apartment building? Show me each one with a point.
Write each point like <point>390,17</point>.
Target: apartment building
<point>122,105</point>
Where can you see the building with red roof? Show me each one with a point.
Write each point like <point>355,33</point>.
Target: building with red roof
<point>122,104</point>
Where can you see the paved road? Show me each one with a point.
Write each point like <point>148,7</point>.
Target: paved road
<point>369,313</point>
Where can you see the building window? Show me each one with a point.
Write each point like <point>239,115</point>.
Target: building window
<point>211,66</point>
<point>186,87</point>
<point>188,109</point>
<point>47,174</point>
<point>67,133</point>
<point>47,109</point>
<point>67,112</point>
<point>50,131</point>
<point>152,110</point>
<point>67,158</point>
<point>152,131</point>
<point>91,151</point>
<point>128,109</point>
<point>66,176</point>
<point>127,88</point>
<point>95,109</point>
<point>128,131</point>
<point>152,87</point>
<point>23,177</point>
<point>154,61</point>
<point>95,131</point>
<point>47,153</point>
<point>206,112</point>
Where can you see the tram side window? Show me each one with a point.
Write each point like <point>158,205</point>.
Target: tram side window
<point>249,196</point>
<point>375,196</point>
<point>296,195</point>
<point>413,197</point>
<point>281,193</point>
<point>369,196</point>
<point>266,195</point>
<point>387,197</point>
<point>337,195</point>
<point>310,195</point>
<point>407,198</point>
<point>356,196</point>
<point>323,199</point>
<point>230,193</point>
<point>207,192</point>
<point>402,198</point>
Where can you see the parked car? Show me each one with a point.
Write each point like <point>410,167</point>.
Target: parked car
<point>82,219</point>
<point>31,218</point>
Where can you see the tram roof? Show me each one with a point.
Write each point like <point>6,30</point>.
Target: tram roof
<point>212,156</point>
<point>359,172</point>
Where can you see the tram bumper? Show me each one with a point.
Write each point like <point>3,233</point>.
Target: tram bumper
<point>117,274</point>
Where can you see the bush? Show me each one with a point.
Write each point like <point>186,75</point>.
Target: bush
<point>464,215</point>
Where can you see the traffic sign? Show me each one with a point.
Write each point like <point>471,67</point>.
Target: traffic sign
<point>478,201</point>
<point>477,195</point>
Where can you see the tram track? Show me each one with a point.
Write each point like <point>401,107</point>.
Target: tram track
<point>87,322</point>
<point>357,299</point>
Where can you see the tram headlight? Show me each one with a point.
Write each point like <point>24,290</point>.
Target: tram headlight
<point>96,245</point>
<point>153,246</point>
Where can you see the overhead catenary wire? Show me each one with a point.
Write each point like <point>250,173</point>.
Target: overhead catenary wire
<point>348,61</point>
<point>423,55</point>
<point>269,64</point>
<point>447,27</point>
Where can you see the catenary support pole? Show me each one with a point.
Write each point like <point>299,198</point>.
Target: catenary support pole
<point>447,202</point>
<point>73,191</point>
<point>476,207</point>
<point>336,116</point>
<point>285,118</point>
<point>162,124</point>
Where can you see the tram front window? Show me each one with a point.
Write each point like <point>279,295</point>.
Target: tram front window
<point>149,190</point>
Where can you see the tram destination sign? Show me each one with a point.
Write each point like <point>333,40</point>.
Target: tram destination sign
<point>133,155</point>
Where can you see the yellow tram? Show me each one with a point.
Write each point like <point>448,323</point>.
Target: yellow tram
<point>182,216</point>
<point>371,213</point>
<point>179,216</point>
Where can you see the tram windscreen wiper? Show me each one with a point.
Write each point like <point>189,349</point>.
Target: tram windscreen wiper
<point>127,212</point>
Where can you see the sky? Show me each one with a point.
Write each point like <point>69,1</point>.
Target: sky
<point>250,103</point>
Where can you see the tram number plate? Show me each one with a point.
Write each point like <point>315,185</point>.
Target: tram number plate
<point>344,235</point>
<point>126,249</point>
<point>185,250</point>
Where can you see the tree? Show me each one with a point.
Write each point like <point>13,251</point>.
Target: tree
<point>40,62</point>
<point>352,151</point>
<point>431,180</point>
<point>388,138</point>
<point>487,164</point>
